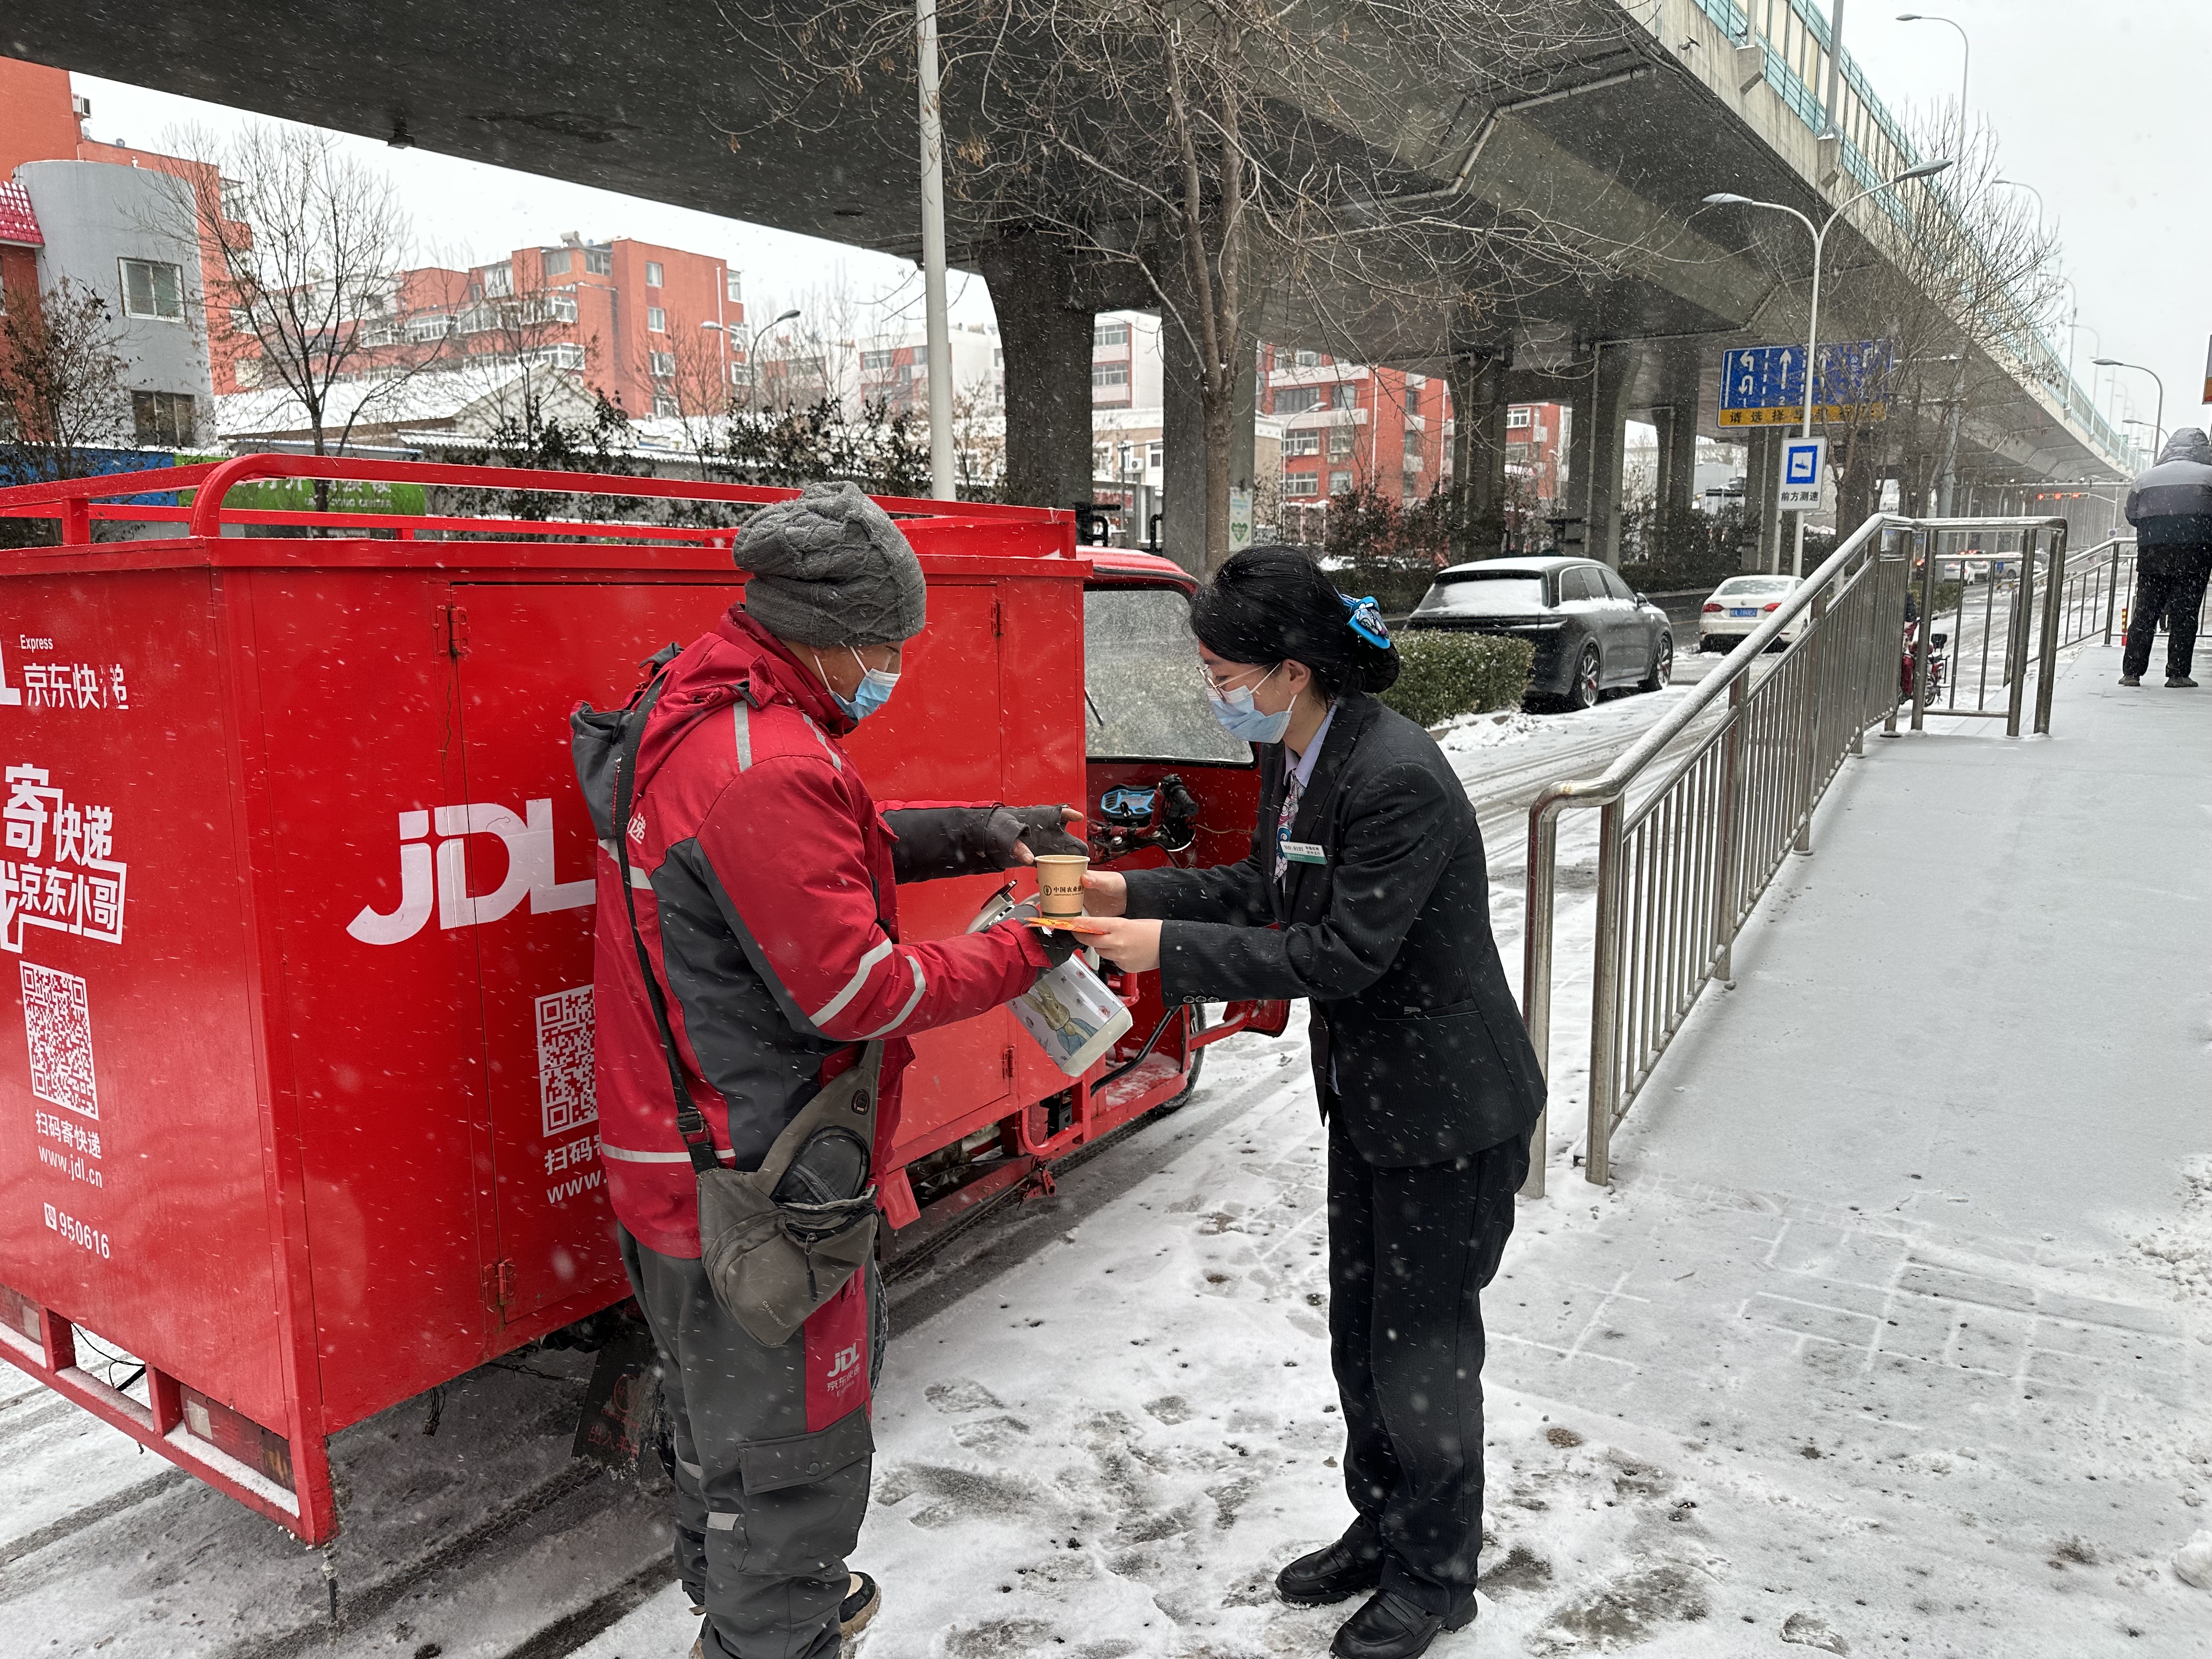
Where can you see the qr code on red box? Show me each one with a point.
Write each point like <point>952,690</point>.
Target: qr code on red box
<point>57,1022</point>
<point>566,1094</point>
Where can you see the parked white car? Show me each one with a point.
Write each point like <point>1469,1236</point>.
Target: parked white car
<point>1739,604</point>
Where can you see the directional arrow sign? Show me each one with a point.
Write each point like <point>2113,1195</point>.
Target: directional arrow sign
<point>1765,385</point>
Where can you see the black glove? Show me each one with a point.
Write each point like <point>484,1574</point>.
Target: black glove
<point>1044,830</point>
<point>1060,943</point>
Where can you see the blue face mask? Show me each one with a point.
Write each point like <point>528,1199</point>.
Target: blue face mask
<point>873,691</point>
<point>1238,717</point>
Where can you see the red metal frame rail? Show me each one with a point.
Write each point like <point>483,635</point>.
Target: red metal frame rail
<point>77,503</point>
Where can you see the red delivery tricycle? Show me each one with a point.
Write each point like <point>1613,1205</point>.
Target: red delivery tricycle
<point>298,886</point>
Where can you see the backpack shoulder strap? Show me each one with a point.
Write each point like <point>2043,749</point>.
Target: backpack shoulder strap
<point>690,1123</point>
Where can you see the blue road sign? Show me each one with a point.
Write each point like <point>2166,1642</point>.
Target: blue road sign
<point>1765,385</point>
<point>1804,475</point>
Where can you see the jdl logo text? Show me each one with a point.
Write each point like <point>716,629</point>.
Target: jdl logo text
<point>439,874</point>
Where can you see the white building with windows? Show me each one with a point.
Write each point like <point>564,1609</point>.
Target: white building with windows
<point>1125,360</point>
<point>113,231</point>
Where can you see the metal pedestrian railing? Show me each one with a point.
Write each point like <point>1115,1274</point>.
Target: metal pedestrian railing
<point>2101,596</point>
<point>2099,586</point>
<point>1688,840</point>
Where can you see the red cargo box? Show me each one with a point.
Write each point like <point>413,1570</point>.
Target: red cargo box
<point>299,887</point>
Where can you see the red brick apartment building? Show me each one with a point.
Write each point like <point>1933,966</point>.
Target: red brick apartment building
<point>1348,426</point>
<point>1535,450</point>
<point>656,329</point>
<point>42,120</point>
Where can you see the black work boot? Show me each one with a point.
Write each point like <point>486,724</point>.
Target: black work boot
<point>1391,1627</point>
<point>859,1605</point>
<point>1346,1567</point>
<point>2131,679</point>
<point>2179,682</point>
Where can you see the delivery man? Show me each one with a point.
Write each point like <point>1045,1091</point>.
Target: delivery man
<point>763,878</point>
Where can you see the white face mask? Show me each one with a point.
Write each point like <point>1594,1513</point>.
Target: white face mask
<point>873,691</point>
<point>1241,718</point>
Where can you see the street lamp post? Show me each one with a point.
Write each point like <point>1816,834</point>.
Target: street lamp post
<point>943,483</point>
<point>2073,326</point>
<point>2158,426</point>
<point>1966,56</point>
<point>1819,234</point>
<point>2020,183</point>
<point>753,357</point>
<point>2015,184</point>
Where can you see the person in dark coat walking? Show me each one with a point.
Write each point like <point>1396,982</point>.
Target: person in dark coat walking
<point>2171,507</point>
<point>1366,891</point>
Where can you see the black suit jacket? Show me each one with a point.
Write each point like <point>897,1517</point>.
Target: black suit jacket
<point>1390,939</point>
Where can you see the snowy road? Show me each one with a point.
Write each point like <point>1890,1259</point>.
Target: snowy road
<point>1106,1419</point>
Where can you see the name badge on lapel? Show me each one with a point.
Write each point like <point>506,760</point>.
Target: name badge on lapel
<point>1305,852</point>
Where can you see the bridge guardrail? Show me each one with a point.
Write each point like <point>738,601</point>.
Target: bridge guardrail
<point>1688,848</point>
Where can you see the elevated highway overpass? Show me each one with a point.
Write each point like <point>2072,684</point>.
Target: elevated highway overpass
<point>1647,107</point>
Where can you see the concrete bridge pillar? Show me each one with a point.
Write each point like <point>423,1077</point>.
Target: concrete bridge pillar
<point>1183,511</point>
<point>1479,406</point>
<point>1678,462</point>
<point>1601,434</point>
<point>1045,331</point>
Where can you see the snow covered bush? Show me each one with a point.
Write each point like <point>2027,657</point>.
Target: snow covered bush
<point>1443,674</point>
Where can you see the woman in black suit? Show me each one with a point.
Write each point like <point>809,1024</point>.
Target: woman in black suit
<point>1365,892</point>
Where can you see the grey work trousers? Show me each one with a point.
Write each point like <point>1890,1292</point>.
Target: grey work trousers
<point>773,1455</point>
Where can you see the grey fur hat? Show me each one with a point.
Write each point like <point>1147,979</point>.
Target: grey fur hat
<point>831,568</point>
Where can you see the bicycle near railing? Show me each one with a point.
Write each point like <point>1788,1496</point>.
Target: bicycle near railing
<point>1693,824</point>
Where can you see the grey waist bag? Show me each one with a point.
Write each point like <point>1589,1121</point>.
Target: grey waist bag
<point>780,1241</point>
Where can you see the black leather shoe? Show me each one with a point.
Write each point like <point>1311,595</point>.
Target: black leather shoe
<point>1391,1627</point>
<point>1328,1575</point>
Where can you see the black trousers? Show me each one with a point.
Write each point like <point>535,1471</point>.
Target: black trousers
<point>773,1453</point>
<point>2169,587</point>
<point>1409,1251</point>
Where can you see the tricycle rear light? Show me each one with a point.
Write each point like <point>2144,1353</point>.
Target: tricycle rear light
<point>240,1437</point>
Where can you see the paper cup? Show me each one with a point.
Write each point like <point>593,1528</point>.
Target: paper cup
<point>1060,883</point>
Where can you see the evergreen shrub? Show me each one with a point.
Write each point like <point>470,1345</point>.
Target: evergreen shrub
<point>1443,674</point>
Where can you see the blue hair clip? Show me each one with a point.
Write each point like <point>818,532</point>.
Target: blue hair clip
<point>1366,620</point>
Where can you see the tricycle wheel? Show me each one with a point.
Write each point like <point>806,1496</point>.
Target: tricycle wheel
<point>1176,1103</point>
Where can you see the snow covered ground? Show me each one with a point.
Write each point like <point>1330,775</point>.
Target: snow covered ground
<point>1835,1365</point>
<point>1851,1407</point>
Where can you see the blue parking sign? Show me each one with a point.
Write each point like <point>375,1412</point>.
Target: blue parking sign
<point>1804,475</point>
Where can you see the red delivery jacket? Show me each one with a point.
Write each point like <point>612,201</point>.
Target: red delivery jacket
<point>765,878</point>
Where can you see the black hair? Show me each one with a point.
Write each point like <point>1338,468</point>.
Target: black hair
<point>1272,604</point>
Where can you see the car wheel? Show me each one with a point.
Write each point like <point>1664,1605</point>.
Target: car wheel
<point>1582,690</point>
<point>1662,666</point>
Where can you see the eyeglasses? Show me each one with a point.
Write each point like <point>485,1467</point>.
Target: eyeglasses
<point>1215,684</point>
